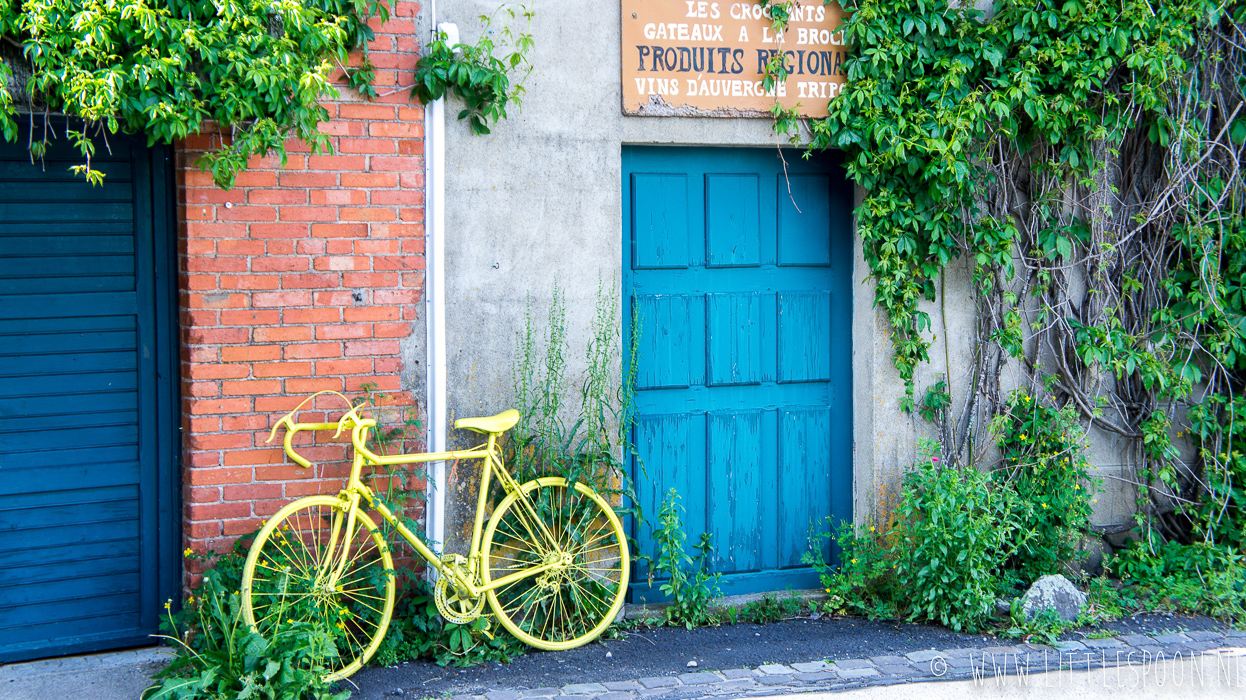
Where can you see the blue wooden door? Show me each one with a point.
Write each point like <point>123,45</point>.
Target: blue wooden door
<point>88,516</point>
<point>737,278</point>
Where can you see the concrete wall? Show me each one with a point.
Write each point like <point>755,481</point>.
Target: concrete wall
<point>539,201</point>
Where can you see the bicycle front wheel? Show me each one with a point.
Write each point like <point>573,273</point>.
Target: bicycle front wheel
<point>577,532</point>
<point>295,572</point>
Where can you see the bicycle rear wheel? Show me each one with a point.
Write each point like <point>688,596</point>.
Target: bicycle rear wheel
<point>290,575</point>
<point>571,603</point>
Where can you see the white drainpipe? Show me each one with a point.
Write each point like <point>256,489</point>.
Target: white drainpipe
<point>435,300</point>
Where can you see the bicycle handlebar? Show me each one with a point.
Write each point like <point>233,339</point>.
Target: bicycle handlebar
<point>348,420</point>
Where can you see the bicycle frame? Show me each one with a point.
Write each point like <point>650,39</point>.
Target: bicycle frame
<point>490,456</point>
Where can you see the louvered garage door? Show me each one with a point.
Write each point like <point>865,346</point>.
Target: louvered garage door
<point>88,535</point>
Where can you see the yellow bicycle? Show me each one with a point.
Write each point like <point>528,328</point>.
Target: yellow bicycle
<point>552,562</point>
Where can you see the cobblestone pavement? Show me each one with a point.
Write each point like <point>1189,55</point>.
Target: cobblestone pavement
<point>918,666</point>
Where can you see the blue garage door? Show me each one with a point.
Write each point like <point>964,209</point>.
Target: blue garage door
<point>739,276</point>
<point>88,528</point>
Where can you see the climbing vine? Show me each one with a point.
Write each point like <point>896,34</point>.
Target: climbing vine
<point>253,71</point>
<point>475,74</point>
<point>1079,160</point>
<point>256,69</point>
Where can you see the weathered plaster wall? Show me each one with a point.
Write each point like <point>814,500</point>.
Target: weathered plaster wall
<point>538,202</point>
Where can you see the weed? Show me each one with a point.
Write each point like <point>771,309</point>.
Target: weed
<point>691,593</point>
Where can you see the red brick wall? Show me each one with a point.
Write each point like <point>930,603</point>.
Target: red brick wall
<point>303,277</point>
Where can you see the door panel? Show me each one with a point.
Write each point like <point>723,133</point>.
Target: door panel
<point>738,283</point>
<point>88,534</point>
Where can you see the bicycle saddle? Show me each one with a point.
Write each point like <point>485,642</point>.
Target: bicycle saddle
<point>497,425</point>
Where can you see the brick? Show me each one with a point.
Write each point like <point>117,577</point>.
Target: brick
<point>369,279</point>
<point>217,511</point>
<point>314,280</point>
<point>310,179</point>
<point>366,111</point>
<point>282,334</point>
<point>292,213</point>
<point>375,247</point>
<point>206,477</point>
<point>205,372</point>
<point>366,214</point>
<point>337,163</point>
<point>391,330</point>
<point>279,264</point>
<point>282,230</point>
<point>219,441</point>
<point>240,248</point>
<point>252,492</point>
<point>396,163</point>
<point>395,296</point>
<point>395,129</point>
<point>247,422</point>
<point>241,527</point>
<point>235,458</point>
<point>246,212</point>
<point>398,197</point>
<point>358,314</point>
<point>293,196</point>
<point>201,494</point>
<point>357,348</point>
<point>201,389</point>
<point>282,472</point>
<point>339,197</point>
<point>251,388</point>
<point>398,262</point>
<point>310,385</point>
<point>380,146</point>
<point>216,264</point>
<point>342,262</point>
<point>250,317</point>
<point>249,282</point>
<point>311,315</point>
<point>370,181</point>
<point>281,299</point>
<point>202,406</point>
<point>307,351</point>
<point>340,230</point>
<point>251,353</point>
<point>281,369</point>
<point>339,297</point>
<point>341,367</point>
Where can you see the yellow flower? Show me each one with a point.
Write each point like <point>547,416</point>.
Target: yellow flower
<point>854,561</point>
<point>1077,486</point>
<point>190,599</point>
<point>168,603</point>
<point>1023,436</point>
<point>1044,505</point>
<point>871,528</point>
<point>188,552</point>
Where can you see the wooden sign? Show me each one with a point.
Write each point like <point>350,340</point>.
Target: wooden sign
<point>695,58</point>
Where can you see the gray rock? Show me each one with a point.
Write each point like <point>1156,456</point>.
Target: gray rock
<point>1120,540</point>
<point>1089,558</point>
<point>1057,593</point>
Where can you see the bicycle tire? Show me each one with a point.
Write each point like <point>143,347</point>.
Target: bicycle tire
<point>283,578</point>
<point>572,604</point>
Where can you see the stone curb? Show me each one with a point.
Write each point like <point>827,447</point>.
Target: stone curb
<point>914,667</point>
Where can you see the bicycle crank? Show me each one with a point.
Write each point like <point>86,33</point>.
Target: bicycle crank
<point>458,608</point>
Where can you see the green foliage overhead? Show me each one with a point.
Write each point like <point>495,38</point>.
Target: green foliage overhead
<point>473,72</point>
<point>257,69</point>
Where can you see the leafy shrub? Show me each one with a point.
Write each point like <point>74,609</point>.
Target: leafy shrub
<point>419,632</point>
<point>1045,464</point>
<point>1195,578</point>
<point>941,557</point>
<point>220,658</point>
<point>691,592</point>
<point>956,531</point>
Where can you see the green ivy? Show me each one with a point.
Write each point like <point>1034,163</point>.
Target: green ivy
<point>256,69</point>
<point>473,72</point>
